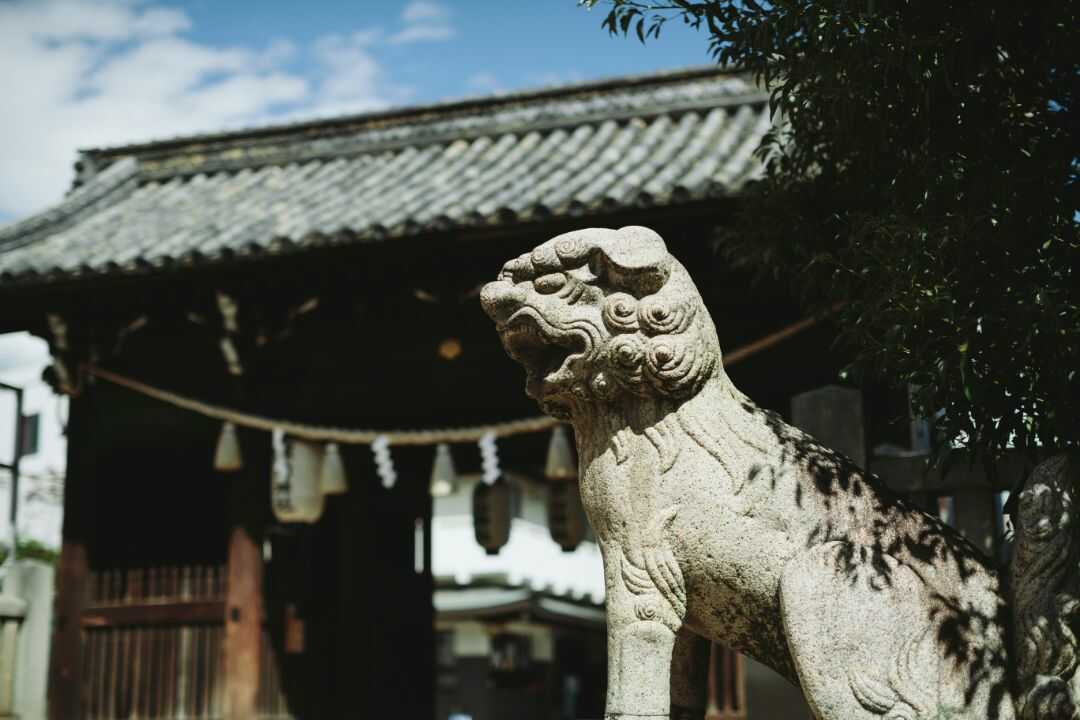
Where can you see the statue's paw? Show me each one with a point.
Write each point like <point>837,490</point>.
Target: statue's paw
<point>1050,699</point>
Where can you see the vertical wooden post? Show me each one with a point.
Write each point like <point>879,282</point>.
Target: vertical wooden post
<point>733,668</point>
<point>727,685</point>
<point>386,636</point>
<point>712,698</point>
<point>359,543</point>
<point>65,663</point>
<point>243,594</point>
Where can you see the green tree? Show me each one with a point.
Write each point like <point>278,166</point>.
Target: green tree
<point>924,178</point>
<point>32,550</point>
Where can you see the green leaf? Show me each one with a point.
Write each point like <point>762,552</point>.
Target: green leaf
<point>924,179</point>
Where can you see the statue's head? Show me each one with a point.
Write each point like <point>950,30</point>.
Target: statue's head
<point>1045,505</point>
<point>602,316</point>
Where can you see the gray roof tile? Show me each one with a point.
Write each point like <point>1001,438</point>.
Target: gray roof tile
<point>663,139</point>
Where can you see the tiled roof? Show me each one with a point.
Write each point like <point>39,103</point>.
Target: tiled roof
<point>655,140</point>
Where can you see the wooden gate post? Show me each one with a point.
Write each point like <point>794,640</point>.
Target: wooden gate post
<point>65,660</point>
<point>248,488</point>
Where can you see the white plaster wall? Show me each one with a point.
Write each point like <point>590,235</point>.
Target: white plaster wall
<point>531,558</point>
<point>22,359</point>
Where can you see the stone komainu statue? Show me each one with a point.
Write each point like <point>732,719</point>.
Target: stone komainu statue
<point>718,521</point>
<point>1046,592</point>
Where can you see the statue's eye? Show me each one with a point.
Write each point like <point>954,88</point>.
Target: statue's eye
<point>547,284</point>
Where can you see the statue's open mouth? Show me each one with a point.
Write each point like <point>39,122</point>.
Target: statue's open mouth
<point>543,349</point>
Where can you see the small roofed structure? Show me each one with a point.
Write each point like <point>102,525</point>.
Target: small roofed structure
<point>222,308</point>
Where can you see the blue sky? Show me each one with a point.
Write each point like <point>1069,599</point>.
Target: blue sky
<point>87,73</point>
<point>507,43</point>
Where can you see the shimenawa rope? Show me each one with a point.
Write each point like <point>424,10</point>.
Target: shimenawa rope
<point>318,433</point>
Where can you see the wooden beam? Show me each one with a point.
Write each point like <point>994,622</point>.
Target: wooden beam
<point>66,659</point>
<point>154,613</point>
<point>774,338</point>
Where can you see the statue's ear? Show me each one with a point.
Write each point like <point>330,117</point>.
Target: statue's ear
<point>634,259</point>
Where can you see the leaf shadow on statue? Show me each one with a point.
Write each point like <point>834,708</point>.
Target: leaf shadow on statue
<point>959,628</point>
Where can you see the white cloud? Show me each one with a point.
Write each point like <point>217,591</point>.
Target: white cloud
<point>421,33</point>
<point>422,11</point>
<point>424,21</point>
<point>161,21</point>
<point>351,74</point>
<point>71,19</point>
<point>485,82</point>
<point>279,51</point>
<point>555,78</point>
<point>92,73</point>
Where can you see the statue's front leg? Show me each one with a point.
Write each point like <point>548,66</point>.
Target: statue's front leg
<point>651,656</point>
<point>646,605</point>
<point>639,666</point>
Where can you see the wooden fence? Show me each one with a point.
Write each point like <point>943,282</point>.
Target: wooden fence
<point>153,647</point>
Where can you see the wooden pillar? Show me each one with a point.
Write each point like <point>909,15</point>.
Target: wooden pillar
<point>248,488</point>
<point>358,544</point>
<point>66,658</point>
<point>712,699</point>
<point>727,686</point>
<point>386,659</point>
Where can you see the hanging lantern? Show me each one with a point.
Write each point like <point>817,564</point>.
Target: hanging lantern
<point>443,474</point>
<point>295,480</point>
<point>332,476</point>
<point>491,514</point>
<point>280,478</point>
<point>227,457</point>
<point>560,461</point>
<point>566,516</point>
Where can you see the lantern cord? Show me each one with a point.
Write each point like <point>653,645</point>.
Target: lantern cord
<point>319,433</point>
